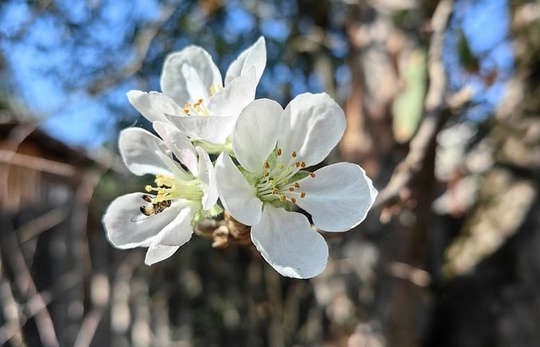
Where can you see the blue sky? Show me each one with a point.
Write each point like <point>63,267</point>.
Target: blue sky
<point>82,120</point>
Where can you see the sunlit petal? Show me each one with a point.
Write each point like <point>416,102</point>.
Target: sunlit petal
<point>254,56</point>
<point>188,73</point>
<point>153,106</point>
<point>127,227</point>
<point>174,235</point>
<point>207,175</point>
<point>179,144</point>
<point>313,124</point>
<point>144,153</point>
<point>212,129</point>
<point>236,194</point>
<point>338,197</point>
<point>230,101</point>
<point>256,133</point>
<point>288,244</point>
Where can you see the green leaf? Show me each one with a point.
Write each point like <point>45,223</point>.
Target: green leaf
<point>408,106</point>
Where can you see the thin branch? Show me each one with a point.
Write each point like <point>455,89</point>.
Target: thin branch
<point>434,106</point>
<point>12,328</point>
<point>25,285</point>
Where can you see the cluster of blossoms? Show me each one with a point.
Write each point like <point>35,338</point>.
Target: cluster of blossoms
<point>260,174</point>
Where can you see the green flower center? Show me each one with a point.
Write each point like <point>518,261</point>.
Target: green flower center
<point>279,181</point>
<point>167,189</point>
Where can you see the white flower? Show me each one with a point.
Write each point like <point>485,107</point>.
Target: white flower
<point>273,147</point>
<point>163,217</point>
<point>194,97</point>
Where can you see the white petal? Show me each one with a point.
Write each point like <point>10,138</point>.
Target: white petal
<point>313,124</point>
<point>207,175</point>
<point>230,101</point>
<point>236,194</point>
<point>127,227</point>
<point>254,56</point>
<point>256,133</point>
<point>211,129</point>
<point>287,242</point>
<point>157,253</point>
<point>190,71</point>
<point>174,235</point>
<point>144,153</point>
<point>338,197</point>
<point>153,106</point>
<point>179,144</point>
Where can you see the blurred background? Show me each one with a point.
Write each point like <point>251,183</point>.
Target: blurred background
<point>442,100</point>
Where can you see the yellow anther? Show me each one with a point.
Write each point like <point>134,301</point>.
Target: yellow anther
<point>281,166</point>
<point>200,101</point>
<point>275,191</point>
<point>282,197</point>
<point>186,111</point>
<point>266,174</point>
<point>148,188</point>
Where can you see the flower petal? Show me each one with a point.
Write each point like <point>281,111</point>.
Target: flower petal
<point>207,175</point>
<point>313,124</point>
<point>189,74</point>
<point>144,153</point>
<point>287,242</point>
<point>127,227</point>
<point>179,144</point>
<point>174,235</point>
<point>157,253</point>
<point>230,101</point>
<point>256,133</point>
<point>153,106</point>
<point>254,56</point>
<point>211,129</point>
<point>237,195</point>
<point>338,197</point>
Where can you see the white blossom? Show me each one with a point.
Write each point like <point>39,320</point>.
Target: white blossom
<point>197,100</point>
<point>273,148</point>
<point>161,218</point>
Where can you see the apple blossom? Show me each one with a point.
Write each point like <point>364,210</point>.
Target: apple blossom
<point>162,218</point>
<point>273,148</point>
<point>197,100</point>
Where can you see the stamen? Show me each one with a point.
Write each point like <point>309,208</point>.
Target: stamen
<point>303,164</point>
<point>303,195</point>
<point>278,152</point>
<point>297,185</point>
<point>293,200</point>
<point>312,174</point>
<point>282,197</point>
<point>294,154</point>
<point>291,189</point>
<point>266,165</point>
<point>148,188</point>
